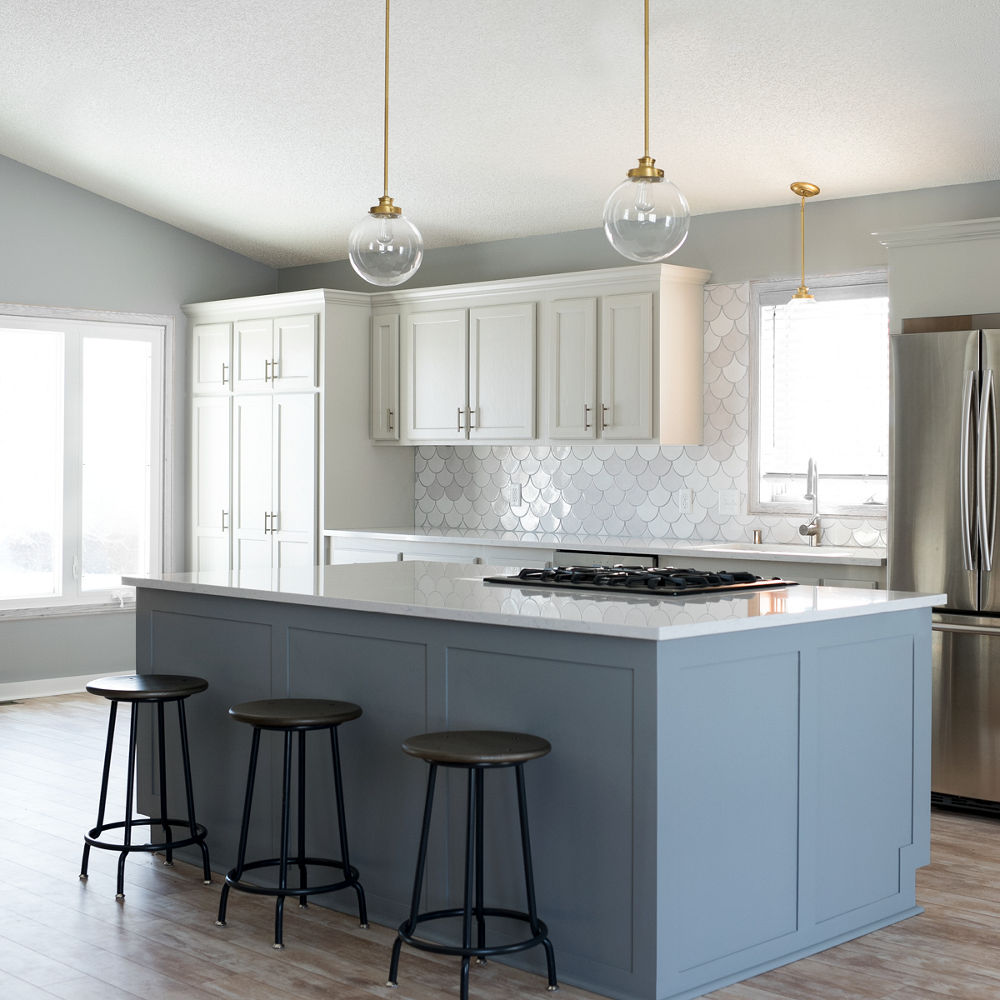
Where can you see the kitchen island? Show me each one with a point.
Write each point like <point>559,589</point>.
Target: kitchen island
<point>736,780</point>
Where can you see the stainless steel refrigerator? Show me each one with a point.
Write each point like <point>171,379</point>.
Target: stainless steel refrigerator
<point>944,472</point>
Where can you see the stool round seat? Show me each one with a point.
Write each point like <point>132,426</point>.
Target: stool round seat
<point>147,687</point>
<point>477,748</point>
<point>295,713</point>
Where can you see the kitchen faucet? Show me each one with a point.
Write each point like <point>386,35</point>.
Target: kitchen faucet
<point>811,530</point>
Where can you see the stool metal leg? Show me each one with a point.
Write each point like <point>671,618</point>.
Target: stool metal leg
<point>162,754</point>
<point>186,758</point>
<point>104,787</point>
<point>129,788</point>
<point>480,919</point>
<point>345,856</point>
<point>471,838</point>
<point>286,792</point>
<point>418,879</point>
<point>301,823</point>
<point>241,853</point>
<point>529,878</point>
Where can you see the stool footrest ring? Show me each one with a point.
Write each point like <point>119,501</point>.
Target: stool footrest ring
<point>349,881</point>
<point>92,836</point>
<point>407,928</point>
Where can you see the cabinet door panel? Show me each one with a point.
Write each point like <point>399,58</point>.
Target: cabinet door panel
<point>502,371</point>
<point>252,477</point>
<point>295,352</point>
<point>627,366</point>
<point>437,363</point>
<point>210,467</point>
<point>385,378</point>
<point>211,368</point>
<point>573,368</point>
<point>252,346</point>
<point>294,495</point>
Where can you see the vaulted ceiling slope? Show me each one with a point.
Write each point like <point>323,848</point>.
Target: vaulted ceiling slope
<point>258,124</point>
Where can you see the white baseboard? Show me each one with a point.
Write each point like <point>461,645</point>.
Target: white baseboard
<point>16,690</point>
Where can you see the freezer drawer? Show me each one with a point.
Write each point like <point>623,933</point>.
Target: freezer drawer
<point>965,738</point>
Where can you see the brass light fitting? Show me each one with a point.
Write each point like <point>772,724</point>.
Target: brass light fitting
<point>804,190</point>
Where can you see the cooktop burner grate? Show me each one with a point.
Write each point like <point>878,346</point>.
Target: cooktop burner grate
<point>667,581</point>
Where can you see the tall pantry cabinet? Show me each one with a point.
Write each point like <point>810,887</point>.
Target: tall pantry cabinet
<point>280,441</point>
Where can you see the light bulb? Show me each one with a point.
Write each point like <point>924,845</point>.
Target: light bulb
<point>384,249</point>
<point>646,219</point>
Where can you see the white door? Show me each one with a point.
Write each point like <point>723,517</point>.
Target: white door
<point>385,378</point>
<point>211,513</point>
<point>294,363</point>
<point>626,397</point>
<point>435,366</point>
<point>211,357</point>
<point>293,519</point>
<point>252,347</point>
<point>572,375</point>
<point>502,371</point>
<point>252,482</point>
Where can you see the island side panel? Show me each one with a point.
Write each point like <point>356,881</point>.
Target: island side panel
<point>850,700</point>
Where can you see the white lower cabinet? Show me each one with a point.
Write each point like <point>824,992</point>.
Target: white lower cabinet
<point>274,480</point>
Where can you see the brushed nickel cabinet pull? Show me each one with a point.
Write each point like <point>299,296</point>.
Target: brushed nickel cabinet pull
<point>224,520</point>
<point>388,416</point>
<point>586,417</point>
<point>472,426</point>
<point>225,377</point>
<point>604,417</point>
<point>266,528</point>
<point>267,370</point>
<point>274,520</point>
<point>460,420</point>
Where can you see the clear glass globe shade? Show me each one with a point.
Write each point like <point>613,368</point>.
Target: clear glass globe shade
<point>646,219</point>
<point>384,250</point>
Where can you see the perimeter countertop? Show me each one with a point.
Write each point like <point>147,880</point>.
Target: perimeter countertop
<point>457,592</point>
<point>672,548</point>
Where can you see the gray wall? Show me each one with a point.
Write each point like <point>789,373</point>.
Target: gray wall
<point>63,246</point>
<point>735,246</point>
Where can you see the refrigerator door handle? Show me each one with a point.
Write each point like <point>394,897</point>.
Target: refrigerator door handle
<point>987,437</point>
<point>964,500</point>
<point>972,629</point>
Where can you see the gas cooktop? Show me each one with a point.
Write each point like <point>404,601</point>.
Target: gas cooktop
<point>666,581</point>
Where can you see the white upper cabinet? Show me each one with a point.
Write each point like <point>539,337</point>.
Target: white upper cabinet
<point>502,372</point>
<point>211,358</point>
<point>572,395</point>
<point>435,375</point>
<point>385,377</point>
<point>211,509</point>
<point>274,355</point>
<point>626,399</point>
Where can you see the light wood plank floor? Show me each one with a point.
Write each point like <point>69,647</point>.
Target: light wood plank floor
<point>63,938</point>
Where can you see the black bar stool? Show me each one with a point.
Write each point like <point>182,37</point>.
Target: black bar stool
<point>157,689</point>
<point>291,715</point>
<point>476,751</point>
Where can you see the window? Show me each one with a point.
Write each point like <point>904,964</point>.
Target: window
<point>822,391</point>
<point>81,425</point>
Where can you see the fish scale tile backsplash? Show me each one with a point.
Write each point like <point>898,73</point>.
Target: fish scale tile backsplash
<point>628,490</point>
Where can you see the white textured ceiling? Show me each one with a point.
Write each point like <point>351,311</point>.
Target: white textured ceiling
<point>258,124</point>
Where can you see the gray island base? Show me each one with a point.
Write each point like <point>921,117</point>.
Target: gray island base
<point>735,781</point>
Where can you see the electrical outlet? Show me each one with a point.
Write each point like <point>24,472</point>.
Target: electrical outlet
<point>512,491</point>
<point>684,501</point>
<point>729,502</point>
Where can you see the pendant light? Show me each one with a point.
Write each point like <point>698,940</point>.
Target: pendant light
<point>385,248</point>
<point>804,190</point>
<point>646,217</point>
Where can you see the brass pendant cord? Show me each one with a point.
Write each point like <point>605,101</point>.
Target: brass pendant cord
<point>385,119</point>
<point>645,44</point>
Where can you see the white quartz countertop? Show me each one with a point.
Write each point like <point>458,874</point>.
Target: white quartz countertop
<point>457,593</point>
<point>669,547</point>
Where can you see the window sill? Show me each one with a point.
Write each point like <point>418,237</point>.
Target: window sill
<point>68,610</point>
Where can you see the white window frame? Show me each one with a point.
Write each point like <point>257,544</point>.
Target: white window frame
<point>856,284</point>
<point>162,335</point>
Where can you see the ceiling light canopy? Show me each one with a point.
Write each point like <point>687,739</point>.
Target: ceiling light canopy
<point>646,217</point>
<point>385,248</point>
<point>804,190</point>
